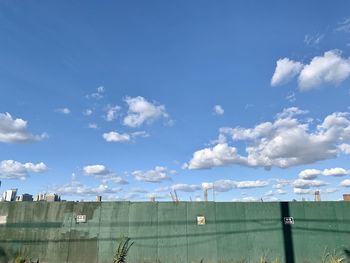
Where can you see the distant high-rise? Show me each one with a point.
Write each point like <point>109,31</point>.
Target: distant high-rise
<point>9,195</point>
<point>24,198</point>
<point>317,196</point>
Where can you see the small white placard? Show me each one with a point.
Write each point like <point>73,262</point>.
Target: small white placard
<point>200,220</point>
<point>81,219</point>
<point>3,220</point>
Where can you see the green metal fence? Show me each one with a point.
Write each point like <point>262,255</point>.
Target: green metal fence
<point>168,232</point>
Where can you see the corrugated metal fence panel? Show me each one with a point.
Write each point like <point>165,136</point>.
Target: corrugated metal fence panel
<point>114,225</point>
<point>172,232</point>
<point>143,230</point>
<point>232,240</point>
<point>202,243</point>
<point>168,232</point>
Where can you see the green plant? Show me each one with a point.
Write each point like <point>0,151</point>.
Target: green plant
<point>332,257</point>
<point>122,251</point>
<point>20,259</point>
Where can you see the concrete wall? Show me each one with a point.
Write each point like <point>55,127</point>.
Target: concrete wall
<point>168,232</point>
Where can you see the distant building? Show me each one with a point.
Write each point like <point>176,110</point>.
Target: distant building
<point>346,197</point>
<point>52,198</point>
<point>39,197</point>
<point>99,198</point>
<point>9,195</point>
<point>24,198</point>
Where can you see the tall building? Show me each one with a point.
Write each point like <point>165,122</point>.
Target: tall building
<point>24,198</point>
<point>52,198</point>
<point>9,195</point>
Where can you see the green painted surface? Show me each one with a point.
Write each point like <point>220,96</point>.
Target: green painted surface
<point>168,232</point>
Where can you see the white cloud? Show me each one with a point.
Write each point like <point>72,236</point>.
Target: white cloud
<point>112,112</point>
<point>313,173</point>
<point>87,112</point>
<point>97,169</point>
<point>218,110</point>
<point>227,185</point>
<point>16,130</point>
<point>345,148</point>
<point>291,97</point>
<point>252,184</point>
<point>301,191</point>
<point>335,172</point>
<point>10,169</point>
<point>345,183</point>
<point>112,178</point>
<point>63,110</point>
<point>247,199</point>
<point>313,40</point>
<point>93,126</point>
<point>186,187</point>
<point>278,143</point>
<point>96,95</point>
<point>116,137</point>
<point>331,190</point>
<point>77,188</point>
<point>156,175</point>
<point>330,68</point>
<point>309,174</point>
<point>306,184</point>
<point>290,113</point>
<point>285,70</point>
<point>142,111</point>
<point>102,173</point>
<point>219,155</point>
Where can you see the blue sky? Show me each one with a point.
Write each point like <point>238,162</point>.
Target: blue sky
<point>134,99</point>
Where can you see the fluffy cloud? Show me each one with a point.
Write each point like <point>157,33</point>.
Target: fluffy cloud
<point>301,191</point>
<point>78,188</point>
<point>101,172</point>
<point>87,112</point>
<point>63,110</point>
<point>228,185</point>
<point>345,183</point>
<point>306,184</point>
<point>93,126</point>
<point>309,174</point>
<point>285,70</point>
<point>97,169</point>
<point>10,169</point>
<point>218,110</point>
<point>114,136</point>
<point>156,175</point>
<point>142,111</point>
<point>335,172</point>
<point>330,68</point>
<point>278,143</point>
<point>247,199</point>
<point>96,95</point>
<point>345,148</point>
<point>219,155</point>
<point>16,130</point>
<point>186,187</point>
<point>313,173</point>
<point>112,112</point>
